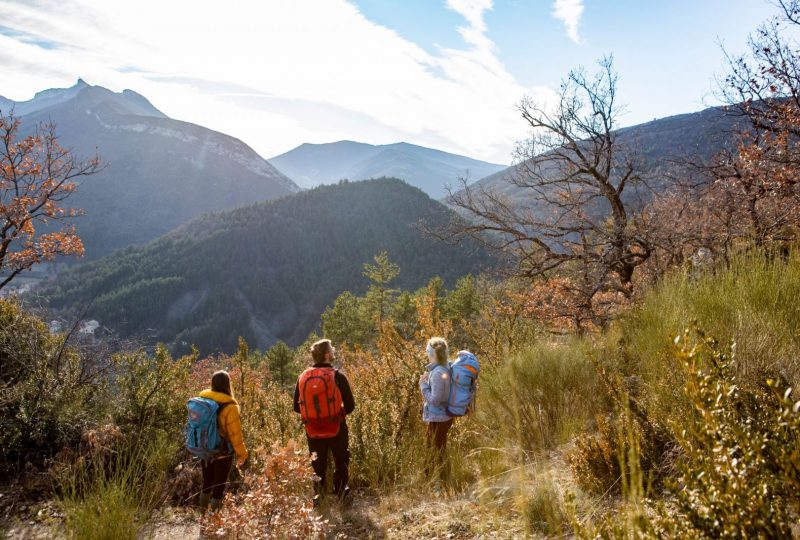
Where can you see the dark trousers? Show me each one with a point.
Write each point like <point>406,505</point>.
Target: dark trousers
<point>338,446</point>
<point>436,433</point>
<point>215,476</point>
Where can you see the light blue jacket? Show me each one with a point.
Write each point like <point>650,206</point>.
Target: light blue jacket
<point>436,391</point>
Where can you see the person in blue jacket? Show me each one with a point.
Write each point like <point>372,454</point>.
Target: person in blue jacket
<point>435,387</point>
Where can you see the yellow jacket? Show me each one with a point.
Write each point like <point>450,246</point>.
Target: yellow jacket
<point>230,425</point>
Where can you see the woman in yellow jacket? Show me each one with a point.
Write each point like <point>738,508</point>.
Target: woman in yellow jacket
<point>215,472</point>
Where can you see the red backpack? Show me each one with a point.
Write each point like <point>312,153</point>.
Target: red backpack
<point>321,406</point>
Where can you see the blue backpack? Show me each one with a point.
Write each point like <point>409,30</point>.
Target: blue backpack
<point>464,372</point>
<point>202,433</point>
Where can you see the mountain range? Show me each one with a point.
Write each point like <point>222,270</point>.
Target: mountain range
<point>430,170</point>
<point>159,172</point>
<point>218,243</point>
<point>265,271</point>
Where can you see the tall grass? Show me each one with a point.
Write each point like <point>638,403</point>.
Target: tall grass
<point>539,398</point>
<point>112,495</point>
<point>638,392</point>
<point>753,303</point>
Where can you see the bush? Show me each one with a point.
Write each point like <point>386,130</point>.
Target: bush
<point>151,393</point>
<point>387,441</point>
<point>738,478</point>
<point>737,473</point>
<point>52,392</point>
<point>266,406</point>
<point>275,501</point>
<point>387,435</point>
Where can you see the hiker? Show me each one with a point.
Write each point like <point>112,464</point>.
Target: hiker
<point>217,469</point>
<point>323,398</point>
<point>435,387</point>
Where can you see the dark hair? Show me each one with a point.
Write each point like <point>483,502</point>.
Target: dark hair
<point>320,349</point>
<point>221,382</point>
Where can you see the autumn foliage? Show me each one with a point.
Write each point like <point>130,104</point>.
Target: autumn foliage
<point>274,501</point>
<point>36,176</point>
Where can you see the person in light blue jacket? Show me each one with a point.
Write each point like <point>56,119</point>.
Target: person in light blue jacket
<point>435,387</point>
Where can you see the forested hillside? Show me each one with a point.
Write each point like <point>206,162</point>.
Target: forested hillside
<point>266,271</point>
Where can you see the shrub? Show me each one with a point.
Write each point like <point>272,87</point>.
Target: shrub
<point>738,478</point>
<point>737,473</point>
<point>386,429</point>
<point>52,392</point>
<point>387,439</point>
<point>275,501</point>
<point>266,406</point>
<point>598,461</point>
<point>752,302</point>
<point>151,393</point>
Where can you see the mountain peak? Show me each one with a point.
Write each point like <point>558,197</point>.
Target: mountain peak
<point>90,96</point>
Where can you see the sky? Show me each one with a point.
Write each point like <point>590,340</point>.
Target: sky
<point>447,74</point>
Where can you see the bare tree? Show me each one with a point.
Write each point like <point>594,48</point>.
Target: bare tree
<point>756,189</point>
<point>764,83</point>
<point>573,212</point>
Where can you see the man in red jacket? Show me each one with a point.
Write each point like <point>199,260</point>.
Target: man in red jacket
<point>323,398</point>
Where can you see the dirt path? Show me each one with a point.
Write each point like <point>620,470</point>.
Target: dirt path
<point>393,517</point>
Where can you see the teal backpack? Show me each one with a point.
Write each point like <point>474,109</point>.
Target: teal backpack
<point>202,434</point>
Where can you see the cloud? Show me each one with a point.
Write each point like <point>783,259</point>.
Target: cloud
<point>472,11</point>
<point>569,12</point>
<point>358,80</point>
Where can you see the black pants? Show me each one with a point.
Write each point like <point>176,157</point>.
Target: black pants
<point>436,434</point>
<point>338,446</point>
<point>215,476</point>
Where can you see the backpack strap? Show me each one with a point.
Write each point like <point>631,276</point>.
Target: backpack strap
<point>221,406</point>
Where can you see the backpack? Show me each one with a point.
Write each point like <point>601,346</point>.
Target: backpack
<point>320,400</point>
<point>464,372</point>
<point>202,432</point>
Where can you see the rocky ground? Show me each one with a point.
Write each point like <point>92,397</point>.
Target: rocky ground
<point>367,517</point>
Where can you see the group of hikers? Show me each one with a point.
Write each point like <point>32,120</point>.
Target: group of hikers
<point>323,398</point>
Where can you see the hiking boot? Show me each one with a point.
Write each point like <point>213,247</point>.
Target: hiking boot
<point>316,500</point>
<point>345,494</point>
<point>202,504</point>
<point>216,504</point>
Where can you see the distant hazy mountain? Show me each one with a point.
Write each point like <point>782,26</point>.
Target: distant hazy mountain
<point>160,172</point>
<point>266,271</point>
<point>430,170</point>
<point>663,146</point>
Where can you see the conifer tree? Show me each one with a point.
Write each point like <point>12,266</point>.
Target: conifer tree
<point>379,296</point>
<point>280,360</point>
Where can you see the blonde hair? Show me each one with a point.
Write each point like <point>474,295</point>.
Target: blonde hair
<point>437,350</point>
